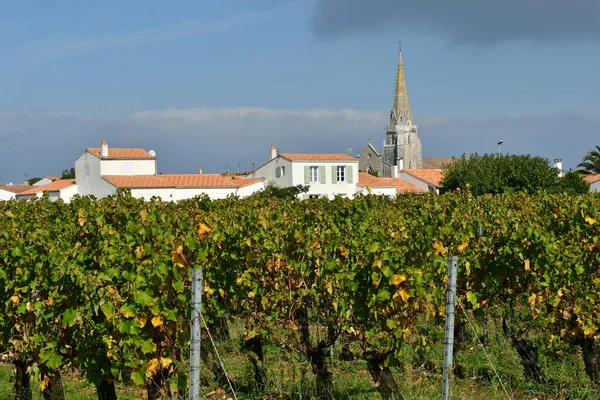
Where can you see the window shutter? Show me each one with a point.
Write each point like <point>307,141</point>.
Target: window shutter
<point>306,175</point>
<point>349,174</point>
<point>334,174</point>
<point>278,172</point>
<point>322,176</point>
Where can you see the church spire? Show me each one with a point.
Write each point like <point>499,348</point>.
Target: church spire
<point>401,112</point>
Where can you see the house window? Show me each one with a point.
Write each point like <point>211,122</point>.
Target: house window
<point>282,171</point>
<point>314,174</point>
<point>313,196</point>
<point>341,174</point>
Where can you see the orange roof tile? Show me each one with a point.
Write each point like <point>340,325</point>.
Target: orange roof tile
<point>123,154</point>
<point>591,178</point>
<point>51,187</point>
<point>18,188</point>
<point>318,157</point>
<point>178,181</point>
<point>430,176</point>
<point>366,179</point>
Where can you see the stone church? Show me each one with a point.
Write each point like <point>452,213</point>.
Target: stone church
<point>402,146</point>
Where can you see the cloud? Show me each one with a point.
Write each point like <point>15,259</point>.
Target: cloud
<point>38,144</point>
<point>478,22</point>
<point>188,28</point>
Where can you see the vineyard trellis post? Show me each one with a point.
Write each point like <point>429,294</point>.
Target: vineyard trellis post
<point>449,332</point>
<point>196,337</point>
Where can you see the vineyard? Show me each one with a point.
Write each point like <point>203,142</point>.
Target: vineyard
<point>103,286</point>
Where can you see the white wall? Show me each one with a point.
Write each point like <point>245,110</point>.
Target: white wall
<point>128,167</point>
<point>26,196</point>
<point>88,177</point>
<point>378,191</point>
<point>595,187</point>
<point>6,195</point>
<point>176,194</point>
<point>269,171</point>
<point>329,188</point>
<point>67,193</point>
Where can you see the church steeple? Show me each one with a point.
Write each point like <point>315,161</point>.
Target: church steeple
<point>401,112</point>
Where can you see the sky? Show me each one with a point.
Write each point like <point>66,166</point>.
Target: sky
<point>215,83</point>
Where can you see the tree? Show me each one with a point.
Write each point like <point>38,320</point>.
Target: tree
<point>494,174</point>
<point>573,183</point>
<point>274,191</point>
<point>68,173</point>
<point>590,163</point>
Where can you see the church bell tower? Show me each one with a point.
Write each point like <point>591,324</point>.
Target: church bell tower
<point>402,146</point>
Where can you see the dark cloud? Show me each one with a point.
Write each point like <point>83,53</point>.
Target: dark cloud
<point>45,144</point>
<point>464,21</point>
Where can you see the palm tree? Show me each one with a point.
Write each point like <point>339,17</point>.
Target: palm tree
<point>590,163</point>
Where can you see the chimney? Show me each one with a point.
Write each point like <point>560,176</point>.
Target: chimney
<point>104,149</point>
<point>200,170</point>
<point>273,152</point>
<point>558,164</point>
<point>400,164</point>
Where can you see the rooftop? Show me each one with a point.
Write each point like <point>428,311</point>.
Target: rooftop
<point>19,188</point>
<point>123,154</point>
<point>366,179</point>
<point>591,178</point>
<point>50,187</point>
<point>178,181</point>
<point>318,157</point>
<point>430,176</point>
<point>435,163</point>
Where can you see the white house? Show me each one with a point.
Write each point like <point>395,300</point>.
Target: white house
<point>326,174</point>
<point>63,189</point>
<point>594,181</point>
<point>426,179</point>
<point>97,162</point>
<point>9,191</point>
<point>184,186</point>
<point>101,171</point>
<point>390,187</point>
<point>46,180</point>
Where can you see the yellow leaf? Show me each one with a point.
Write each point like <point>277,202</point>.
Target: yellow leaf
<point>138,252</point>
<point>401,296</point>
<point>165,362</point>
<point>468,267</point>
<point>128,313</point>
<point>590,220</point>
<point>157,321</point>
<point>439,248</point>
<point>251,295</point>
<point>178,259</point>
<point>329,288</point>
<point>15,298</point>
<point>463,246</point>
<point>29,307</point>
<point>152,367</point>
<point>204,228</point>
<point>531,300</point>
<point>397,279</point>
<point>50,301</point>
<point>142,320</point>
<point>143,215</point>
<point>44,383</point>
<point>560,293</point>
<point>81,221</point>
<point>527,265</point>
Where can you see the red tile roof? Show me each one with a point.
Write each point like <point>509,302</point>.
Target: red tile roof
<point>591,178</point>
<point>123,154</point>
<point>19,188</point>
<point>366,179</point>
<point>50,187</point>
<point>435,163</point>
<point>318,157</point>
<point>430,176</point>
<point>178,181</point>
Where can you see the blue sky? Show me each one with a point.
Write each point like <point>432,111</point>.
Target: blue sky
<point>215,83</point>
